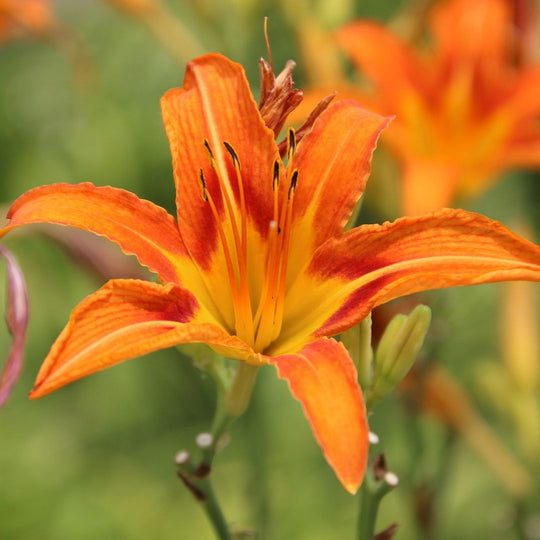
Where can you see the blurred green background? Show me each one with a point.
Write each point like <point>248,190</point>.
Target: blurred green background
<point>95,459</point>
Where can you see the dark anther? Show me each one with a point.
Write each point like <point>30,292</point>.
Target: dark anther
<point>292,141</point>
<point>294,180</point>
<point>275,179</point>
<point>203,185</point>
<point>208,149</point>
<point>232,153</point>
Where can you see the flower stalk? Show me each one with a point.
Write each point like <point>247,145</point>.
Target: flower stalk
<point>379,481</point>
<point>197,479</point>
<point>233,396</point>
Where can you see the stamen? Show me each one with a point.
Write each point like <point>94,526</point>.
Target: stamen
<point>210,153</point>
<point>269,317</point>
<point>275,189</point>
<point>292,186</point>
<point>243,313</point>
<point>275,178</point>
<point>226,198</point>
<point>242,254</point>
<point>278,316</point>
<point>243,212</point>
<point>204,190</point>
<point>269,267</point>
<point>291,144</point>
<point>230,270</point>
<point>232,153</point>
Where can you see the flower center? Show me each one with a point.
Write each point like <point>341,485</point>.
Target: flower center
<point>259,316</point>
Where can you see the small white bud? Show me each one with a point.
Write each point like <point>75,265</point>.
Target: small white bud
<point>182,457</point>
<point>391,479</point>
<point>204,440</point>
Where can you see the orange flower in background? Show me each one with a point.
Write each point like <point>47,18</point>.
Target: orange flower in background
<point>466,109</point>
<point>257,264</point>
<point>24,16</point>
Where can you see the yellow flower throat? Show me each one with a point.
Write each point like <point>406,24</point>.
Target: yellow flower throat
<point>258,321</point>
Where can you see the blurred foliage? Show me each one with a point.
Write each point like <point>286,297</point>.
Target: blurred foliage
<point>95,459</point>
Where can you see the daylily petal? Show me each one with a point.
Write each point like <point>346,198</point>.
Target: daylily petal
<point>17,320</point>
<point>323,378</point>
<point>216,105</point>
<point>428,185</point>
<point>333,162</point>
<point>373,264</point>
<point>525,98</point>
<point>138,226</point>
<point>383,58</point>
<point>125,319</point>
<point>523,153</point>
<point>472,31</point>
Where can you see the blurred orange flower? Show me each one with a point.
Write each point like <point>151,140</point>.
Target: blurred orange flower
<point>24,16</point>
<point>256,264</point>
<point>466,104</point>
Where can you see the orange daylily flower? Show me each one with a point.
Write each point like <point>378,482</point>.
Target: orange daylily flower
<point>34,16</point>
<point>466,107</point>
<point>257,264</point>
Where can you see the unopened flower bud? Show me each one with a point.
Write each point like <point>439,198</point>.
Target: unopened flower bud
<point>357,340</point>
<point>398,350</point>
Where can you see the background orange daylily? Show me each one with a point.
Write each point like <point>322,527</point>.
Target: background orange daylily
<point>466,102</point>
<point>250,232</point>
<point>20,17</point>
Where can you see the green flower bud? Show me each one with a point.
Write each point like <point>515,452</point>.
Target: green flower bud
<point>357,340</point>
<point>397,351</point>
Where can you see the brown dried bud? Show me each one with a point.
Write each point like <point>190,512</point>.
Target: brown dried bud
<point>278,97</point>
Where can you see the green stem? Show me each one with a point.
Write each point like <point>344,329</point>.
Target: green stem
<point>213,510</point>
<point>371,495</point>
<point>368,511</point>
<point>232,400</point>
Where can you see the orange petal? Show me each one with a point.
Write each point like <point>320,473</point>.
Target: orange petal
<point>216,104</point>
<point>323,378</point>
<point>525,98</point>
<point>523,152</point>
<point>138,226</point>
<point>385,60</point>
<point>125,319</point>
<point>333,161</point>
<point>474,32</point>
<point>428,185</point>
<point>373,264</point>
